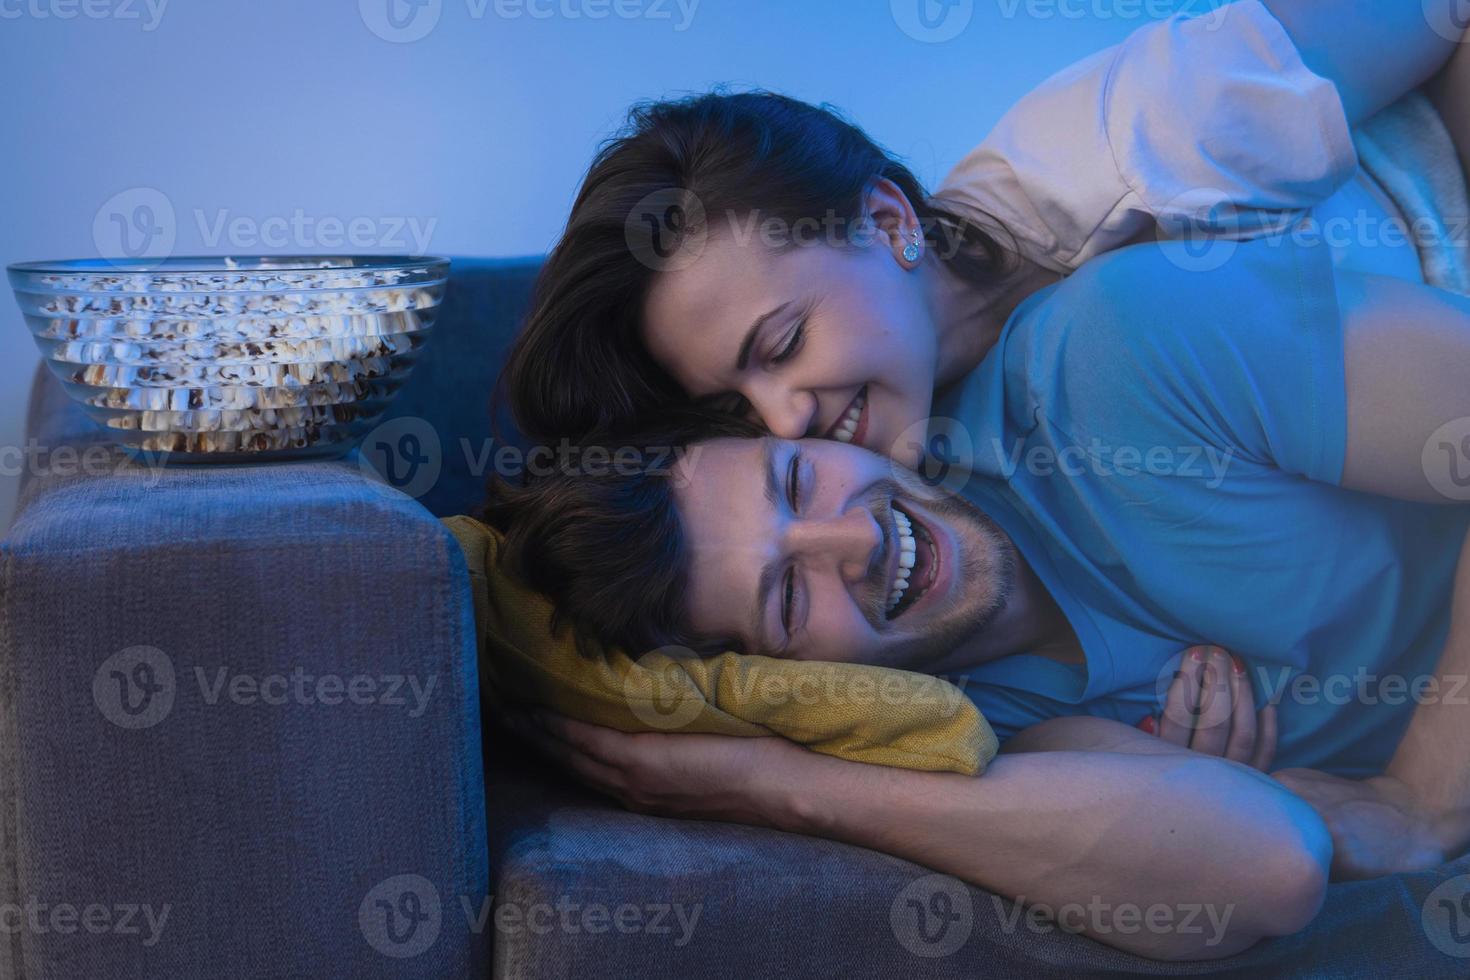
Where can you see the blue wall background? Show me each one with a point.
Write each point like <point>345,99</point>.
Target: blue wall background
<point>319,125</point>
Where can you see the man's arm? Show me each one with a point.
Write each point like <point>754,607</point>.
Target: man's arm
<point>1122,821</point>
<point>1374,51</point>
<point>1117,832</point>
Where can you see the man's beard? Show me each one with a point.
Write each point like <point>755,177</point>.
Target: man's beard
<point>986,574</point>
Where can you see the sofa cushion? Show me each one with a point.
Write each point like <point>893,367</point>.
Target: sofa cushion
<point>741,902</point>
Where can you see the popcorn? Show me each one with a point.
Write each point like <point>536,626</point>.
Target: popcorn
<point>234,362</point>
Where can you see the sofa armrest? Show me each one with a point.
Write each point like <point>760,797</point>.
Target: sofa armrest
<point>239,724</point>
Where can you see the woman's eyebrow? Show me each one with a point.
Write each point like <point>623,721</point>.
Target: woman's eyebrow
<point>742,360</point>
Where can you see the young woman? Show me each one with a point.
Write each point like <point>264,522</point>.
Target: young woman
<point>765,256</point>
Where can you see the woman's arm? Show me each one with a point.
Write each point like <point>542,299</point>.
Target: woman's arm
<point>1123,836</point>
<point>1374,51</point>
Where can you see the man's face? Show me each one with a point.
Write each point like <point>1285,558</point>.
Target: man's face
<point>801,550</point>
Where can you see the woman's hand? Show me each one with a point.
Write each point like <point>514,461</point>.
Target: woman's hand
<point>1210,708</point>
<point>708,777</point>
<point>1378,827</point>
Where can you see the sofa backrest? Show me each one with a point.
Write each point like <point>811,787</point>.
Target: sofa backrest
<point>450,388</point>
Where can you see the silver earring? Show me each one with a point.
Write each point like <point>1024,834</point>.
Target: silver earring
<point>911,250</point>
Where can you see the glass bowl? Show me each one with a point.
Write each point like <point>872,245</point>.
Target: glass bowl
<point>232,359</point>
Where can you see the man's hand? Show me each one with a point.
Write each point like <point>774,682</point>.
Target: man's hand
<point>1378,826</point>
<point>1210,708</point>
<point>707,777</point>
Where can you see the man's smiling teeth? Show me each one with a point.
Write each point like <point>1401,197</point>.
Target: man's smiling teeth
<point>907,550</point>
<point>847,427</point>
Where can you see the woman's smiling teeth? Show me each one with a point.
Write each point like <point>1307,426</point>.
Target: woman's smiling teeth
<point>847,426</point>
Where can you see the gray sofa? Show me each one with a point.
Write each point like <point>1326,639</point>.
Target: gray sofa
<point>207,768</point>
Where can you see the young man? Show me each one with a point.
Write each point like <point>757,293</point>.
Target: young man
<point>1259,456</point>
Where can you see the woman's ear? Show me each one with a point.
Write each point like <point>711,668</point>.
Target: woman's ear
<point>894,223</point>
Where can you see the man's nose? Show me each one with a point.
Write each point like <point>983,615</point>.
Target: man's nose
<point>848,541</point>
<point>788,413</point>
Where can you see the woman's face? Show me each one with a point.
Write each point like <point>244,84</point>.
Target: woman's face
<point>824,340</point>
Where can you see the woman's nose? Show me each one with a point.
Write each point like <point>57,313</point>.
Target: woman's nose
<point>787,413</point>
<point>849,540</point>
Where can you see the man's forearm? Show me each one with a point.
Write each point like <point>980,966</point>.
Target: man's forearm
<point>1430,759</point>
<point>1117,834</point>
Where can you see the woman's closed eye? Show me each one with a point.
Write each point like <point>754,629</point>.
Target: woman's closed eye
<point>792,344</point>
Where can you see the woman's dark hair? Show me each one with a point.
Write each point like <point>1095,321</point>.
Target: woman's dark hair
<point>579,365</point>
<point>604,542</point>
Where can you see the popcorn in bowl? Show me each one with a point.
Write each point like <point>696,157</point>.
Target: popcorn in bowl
<point>224,359</point>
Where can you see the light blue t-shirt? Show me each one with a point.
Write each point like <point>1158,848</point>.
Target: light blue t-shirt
<point>1164,446</point>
